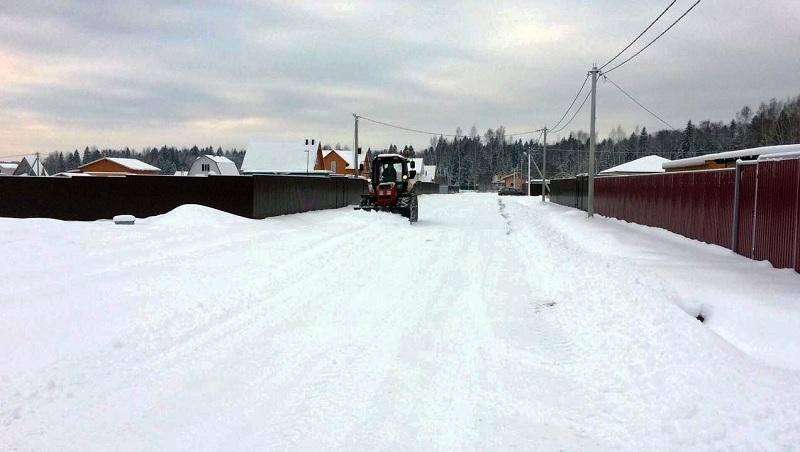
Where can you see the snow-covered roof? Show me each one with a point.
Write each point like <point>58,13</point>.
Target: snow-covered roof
<point>72,173</point>
<point>390,156</point>
<point>9,165</point>
<point>742,153</point>
<point>346,155</point>
<point>279,155</point>
<point>648,164</point>
<point>131,164</point>
<point>181,173</point>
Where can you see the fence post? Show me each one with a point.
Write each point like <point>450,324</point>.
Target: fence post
<point>755,211</point>
<point>736,198</point>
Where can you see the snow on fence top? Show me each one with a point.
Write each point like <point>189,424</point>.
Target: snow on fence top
<point>728,155</point>
<point>792,155</point>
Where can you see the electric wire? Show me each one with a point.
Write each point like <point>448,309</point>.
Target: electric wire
<point>407,129</point>
<point>638,103</point>
<point>640,35</point>
<point>583,85</point>
<point>575,114</point>
<point>654,39</point>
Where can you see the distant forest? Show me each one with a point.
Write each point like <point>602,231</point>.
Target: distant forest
<point>473,160</point>
<point>169,159</point>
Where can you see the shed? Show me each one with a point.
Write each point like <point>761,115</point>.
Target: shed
<point>8,168</point>
<point>115,166</point>
<point>213,164</point>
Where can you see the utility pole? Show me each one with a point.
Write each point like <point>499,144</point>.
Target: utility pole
<point>355,145</point>
<point>530,151</point>
<point>592,139</point>
<point>544,167</point>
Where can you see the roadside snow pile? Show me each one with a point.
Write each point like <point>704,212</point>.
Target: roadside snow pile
<point>751,304</point>
<point>193,215</point>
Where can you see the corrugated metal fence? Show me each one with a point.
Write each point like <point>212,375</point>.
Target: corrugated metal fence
<point>761,222</point>
<point>94,198</point>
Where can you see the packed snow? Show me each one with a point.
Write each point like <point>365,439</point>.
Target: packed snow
<point>492,324</point>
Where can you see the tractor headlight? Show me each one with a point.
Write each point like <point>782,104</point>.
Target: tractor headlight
<point>405,177</point>
<point>369,180</point>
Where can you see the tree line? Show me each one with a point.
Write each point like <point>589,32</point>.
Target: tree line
<point>168,158</point>
<point>473,159</point>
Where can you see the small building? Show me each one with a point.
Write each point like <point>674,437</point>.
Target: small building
<point>514,180</point>
<point>728,159</point>
<point>213,165</point>
<point>30,165</point>
<point>645,165</point>
<point>115,166</point>
<point>181,173</point>
<point>8,168</point>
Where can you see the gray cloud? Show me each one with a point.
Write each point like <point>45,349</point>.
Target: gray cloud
<point>137,73</point>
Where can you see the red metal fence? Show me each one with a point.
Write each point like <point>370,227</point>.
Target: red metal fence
<point>764,223</point>
<point>698,204</point>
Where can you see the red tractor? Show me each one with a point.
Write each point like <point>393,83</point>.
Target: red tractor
<point>391,187</point>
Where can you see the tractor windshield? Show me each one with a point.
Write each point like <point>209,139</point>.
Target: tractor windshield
<point>391,172</point>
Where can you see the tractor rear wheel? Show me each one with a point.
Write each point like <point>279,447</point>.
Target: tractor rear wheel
<point>413,209</point>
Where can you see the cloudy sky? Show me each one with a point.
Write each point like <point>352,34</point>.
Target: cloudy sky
<point>145,73</point>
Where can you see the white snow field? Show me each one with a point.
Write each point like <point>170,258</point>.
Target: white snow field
<point>492,324</point>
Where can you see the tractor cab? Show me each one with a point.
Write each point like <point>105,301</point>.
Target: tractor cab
<point>391,170</point>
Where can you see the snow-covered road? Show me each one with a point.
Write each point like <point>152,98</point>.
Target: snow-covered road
<point>493,323</point>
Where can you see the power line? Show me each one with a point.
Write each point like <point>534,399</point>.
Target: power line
<point>574,115</point>
<point>637,102</point>
<point>656,38</point>
<point>525,133</point>
<point>407,129</point>
<point>640,35</point>
<point>573,102</point>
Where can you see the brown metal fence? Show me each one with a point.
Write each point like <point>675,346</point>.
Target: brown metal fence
<point>94,198</point>
<point>757,216</point>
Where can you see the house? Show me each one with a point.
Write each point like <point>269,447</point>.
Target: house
<point>335,161</point>
<point>726,159</point>
<point>213,164</point>
<point>181,173</point>
<point>115,166</point>
<point>7,168</point>
<point>645,165</point>
<point>30,165</point>
<point>513,180</point>
<point>282,156</point>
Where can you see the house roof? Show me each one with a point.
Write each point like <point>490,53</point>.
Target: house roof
<point>9,165</point>
<point>33,163</point>
<point>346,155</point>
<point>648,164</point>
<point>742,153</point>
<point>131,164</point>
<point>279,155</point>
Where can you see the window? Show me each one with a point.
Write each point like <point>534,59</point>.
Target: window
<point>205,167</point>
<point>333,166</point>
